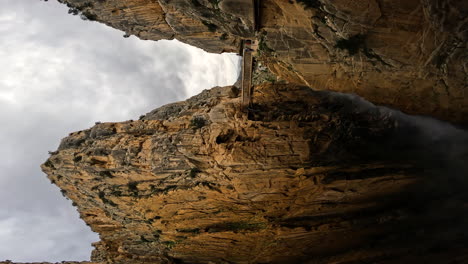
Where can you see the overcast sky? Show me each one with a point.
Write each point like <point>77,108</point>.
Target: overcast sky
<point>60,74</point>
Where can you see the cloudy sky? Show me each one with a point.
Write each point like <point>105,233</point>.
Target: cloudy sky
<point>60,74</point>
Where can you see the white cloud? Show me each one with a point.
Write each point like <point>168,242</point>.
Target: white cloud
<point>41,235</point>
<point>60,74</point>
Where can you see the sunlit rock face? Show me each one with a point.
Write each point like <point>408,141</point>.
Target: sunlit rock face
<point>410,55</point>
<point>215,26</point>
<point>301,176</point>
<point>304,177</point>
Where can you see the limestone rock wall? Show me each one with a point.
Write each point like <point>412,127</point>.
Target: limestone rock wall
<point>215,26</point>
<point>306,177</point>
<point>410,55</point>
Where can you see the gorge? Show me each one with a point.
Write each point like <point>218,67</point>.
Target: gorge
<point>319,169</point>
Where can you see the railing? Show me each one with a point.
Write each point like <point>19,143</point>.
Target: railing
<point>246,78</point>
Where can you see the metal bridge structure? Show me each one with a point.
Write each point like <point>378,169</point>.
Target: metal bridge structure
<point>246,84</point>
<point>249,47</point>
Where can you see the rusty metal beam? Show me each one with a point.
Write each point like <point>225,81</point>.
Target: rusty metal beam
<point>246,78</point>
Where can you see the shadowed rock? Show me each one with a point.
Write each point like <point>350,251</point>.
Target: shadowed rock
<point>306,177</point>
<point>409,55</point>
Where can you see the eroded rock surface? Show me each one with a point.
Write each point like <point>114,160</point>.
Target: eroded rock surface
<point>213,25</point>
<point>305,177</point>
<point>410,55</point>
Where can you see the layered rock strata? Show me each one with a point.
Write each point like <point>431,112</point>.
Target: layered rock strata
<point>305,177</point>
<point>410,55</point>
<point>213,25</point>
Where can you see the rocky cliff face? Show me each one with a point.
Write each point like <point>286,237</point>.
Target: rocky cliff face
<point>305,177</point>
<point>215,26</point>
<point>410,55</point>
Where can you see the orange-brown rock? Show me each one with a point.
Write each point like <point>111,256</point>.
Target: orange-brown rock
<point>410,55</point>
<point>305,177</point>
<point>210,25</point>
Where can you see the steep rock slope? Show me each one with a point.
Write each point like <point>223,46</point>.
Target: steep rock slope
<point>305,177</point>
<point>410,55</point>
<point>212,25</point>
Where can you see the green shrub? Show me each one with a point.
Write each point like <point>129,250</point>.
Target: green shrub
<point>263,47</point>
<point>132,186</point>
<point>88,16</point>
<point>193,172</point>
<point>197,122</point>
<point>169,244</point>
<point>224,36</point>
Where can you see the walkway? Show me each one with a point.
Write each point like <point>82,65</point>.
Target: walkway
<point>246,78</point>
<point>248,49</point>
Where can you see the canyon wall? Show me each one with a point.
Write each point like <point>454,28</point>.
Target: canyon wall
<point>410,55</point>
<point>212,25</point>
<point>305,177</point>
